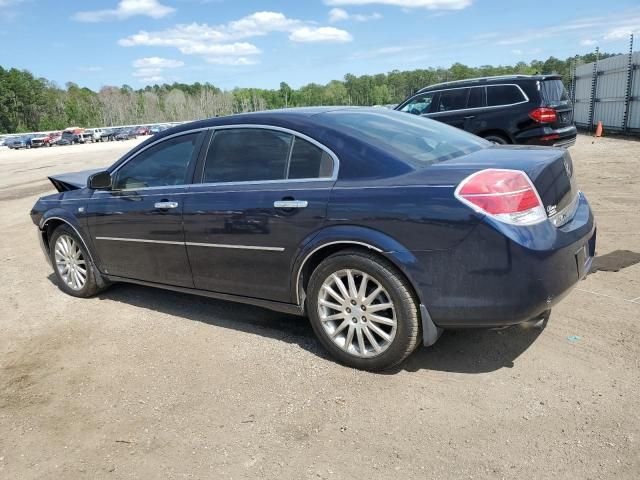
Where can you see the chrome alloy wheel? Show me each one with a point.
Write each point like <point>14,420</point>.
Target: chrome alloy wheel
<point>70,262</point>
<point>357,313</point>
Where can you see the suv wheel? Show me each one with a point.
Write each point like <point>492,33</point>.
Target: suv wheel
<point>498,139</point>
<point>363,311</point>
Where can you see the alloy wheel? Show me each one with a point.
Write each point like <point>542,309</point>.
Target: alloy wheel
<point>357,313</point>
<point>70,262</point>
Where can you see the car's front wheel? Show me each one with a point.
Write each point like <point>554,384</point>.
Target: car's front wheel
<point>71,263</point>
<point>363,310</point>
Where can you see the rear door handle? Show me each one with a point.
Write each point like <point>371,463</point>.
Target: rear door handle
<point>469,117</point>
<point>290,204</point>
<point>165,205</point>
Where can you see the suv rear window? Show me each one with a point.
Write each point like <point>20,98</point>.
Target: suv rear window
<point>503,95</point>
<point>553,91</point>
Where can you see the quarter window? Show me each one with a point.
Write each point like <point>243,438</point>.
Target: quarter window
<point>309,161</point>
<point>503,95</point>
<point>164,164</point>
<point>419,105</point>
<point>453,100</point>
<point>247,154</point>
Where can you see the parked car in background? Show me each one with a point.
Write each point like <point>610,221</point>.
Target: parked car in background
<point>92,134</point>
<point>45,140</point>
<point>523,109</point>
<point>142,130</point>
<point>71,136</point>
<point>385,228</point>
<point>108,134</point>
<point>126,134</point>
<point>20,142</point>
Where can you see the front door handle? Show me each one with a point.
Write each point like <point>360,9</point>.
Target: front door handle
<point>290,204</point>
<point>165,205</point>
<point>469,117</point>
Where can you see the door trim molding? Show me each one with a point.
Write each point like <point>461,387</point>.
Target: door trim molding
<point>194,244</point>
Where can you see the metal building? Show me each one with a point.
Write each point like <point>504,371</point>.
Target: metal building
<point>609,91</point>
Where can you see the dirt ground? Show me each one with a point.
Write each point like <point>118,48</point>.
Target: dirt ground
<point>144,383</point>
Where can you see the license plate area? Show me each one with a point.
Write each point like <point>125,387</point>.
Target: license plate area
<point>584,256</point>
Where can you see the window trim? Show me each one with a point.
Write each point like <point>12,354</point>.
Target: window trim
<point>334,157</point>
<point>525,96</point>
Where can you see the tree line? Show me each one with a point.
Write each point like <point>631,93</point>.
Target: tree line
<point>28,103</point>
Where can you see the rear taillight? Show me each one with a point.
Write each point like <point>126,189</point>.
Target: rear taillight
<point>507,195</point>
<point>544,115</point>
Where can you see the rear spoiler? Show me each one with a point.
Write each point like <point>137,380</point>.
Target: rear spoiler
<point>72,181</point>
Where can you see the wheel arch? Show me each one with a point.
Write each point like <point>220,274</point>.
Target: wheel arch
<point>53,219</point>
<point>495,131</point>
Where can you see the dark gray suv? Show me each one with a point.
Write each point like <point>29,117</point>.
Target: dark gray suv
<point>524,109</point>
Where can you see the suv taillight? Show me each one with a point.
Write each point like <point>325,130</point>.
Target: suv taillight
<point>506,195</point>
<point>544,115</point>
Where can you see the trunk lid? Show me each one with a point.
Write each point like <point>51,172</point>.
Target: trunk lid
<point>550,170</point>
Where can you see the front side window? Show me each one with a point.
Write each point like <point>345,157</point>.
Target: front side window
<point>246,155</point>
<point>503,95</point>
<point>164,164</point>
<point>419,105</point>
<point>453,100</point>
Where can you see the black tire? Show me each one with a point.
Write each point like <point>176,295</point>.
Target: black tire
<point>407,334</point>
<point>90,287</point>
<point>498,139</point>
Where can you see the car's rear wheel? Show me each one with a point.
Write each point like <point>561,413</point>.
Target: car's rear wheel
<point>363,311</point>
<point>498,139</point>
<point>71,263</point>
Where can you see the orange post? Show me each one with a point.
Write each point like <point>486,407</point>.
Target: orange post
<point>599,129</point>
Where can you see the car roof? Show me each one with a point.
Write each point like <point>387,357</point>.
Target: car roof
<point>489,80</point>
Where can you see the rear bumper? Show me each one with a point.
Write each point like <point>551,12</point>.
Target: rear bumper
<point>503,275</point>
<point>549,137</point>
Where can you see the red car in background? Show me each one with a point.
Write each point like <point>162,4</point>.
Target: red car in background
<point>142,131</point>
<point>46,140</point>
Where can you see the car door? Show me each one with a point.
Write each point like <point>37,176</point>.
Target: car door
<point>263,191</point>
<point>136,226</point>
<point>451,107</point>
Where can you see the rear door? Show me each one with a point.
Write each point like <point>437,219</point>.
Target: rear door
<point>263,191</point>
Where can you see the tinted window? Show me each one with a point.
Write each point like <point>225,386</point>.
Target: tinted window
<point>309,161</point>
<point>164,164</point>
<point>247,154</point>
<point>418,140</point>
<point>476,97</point>
<point>453,99</point>
<point>553,91</point>
<point>419,105</point>
<point>503,95</point>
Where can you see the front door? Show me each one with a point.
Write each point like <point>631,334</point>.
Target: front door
<point>137,225</point>
<point>263,192</point>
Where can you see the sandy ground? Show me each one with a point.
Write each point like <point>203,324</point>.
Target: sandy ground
<point>143,383</point>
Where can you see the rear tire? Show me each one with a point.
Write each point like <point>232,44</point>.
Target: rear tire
<point>71,263</point>
<point>497,139</point>
<point>374,326</point>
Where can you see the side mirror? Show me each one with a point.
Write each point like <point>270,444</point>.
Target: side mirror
<point>99,181</point>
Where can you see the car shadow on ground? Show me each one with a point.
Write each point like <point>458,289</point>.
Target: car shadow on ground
<point>461,351</point>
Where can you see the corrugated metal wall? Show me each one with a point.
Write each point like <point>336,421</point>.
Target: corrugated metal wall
<point>610,93</point>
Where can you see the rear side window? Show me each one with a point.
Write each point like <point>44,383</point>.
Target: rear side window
<point>476,97</point>
<point>247,155</point>
<point>503,95</point>
<point>553,92</point>
<point>309,161</point>
<point>453,100</point>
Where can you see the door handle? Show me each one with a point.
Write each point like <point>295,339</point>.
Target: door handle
<point>469,117</point>
<point>165,205</point>
<point>290,204</point>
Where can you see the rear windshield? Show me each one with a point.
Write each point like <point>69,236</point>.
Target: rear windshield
<point>417,139</point>
<point>553,91</point>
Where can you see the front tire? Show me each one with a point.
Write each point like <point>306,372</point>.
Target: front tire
<point>497,139</point>
<point>363,311</point>
<point>72,265</point>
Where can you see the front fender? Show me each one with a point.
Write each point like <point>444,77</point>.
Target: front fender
<point>63,215</point>
<point>354,235</point>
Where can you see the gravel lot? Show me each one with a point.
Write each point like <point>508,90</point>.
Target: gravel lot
<point>143,383</point>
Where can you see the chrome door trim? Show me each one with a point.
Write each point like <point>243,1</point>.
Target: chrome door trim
<point>194,244</point>
<point>350,242</point>
<point>139,240</point>
<point>290,204</point>
<point>165,205</point>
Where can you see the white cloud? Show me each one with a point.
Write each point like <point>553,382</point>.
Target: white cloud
<point>126,9</point>
<point>151,69</point>
<point>430,4</point>
<point>623,32</point>
<point>339,15</point>
<point>223,45</point>
<point>320,34</point>
<point>516,51</point>
<point>588,42</point>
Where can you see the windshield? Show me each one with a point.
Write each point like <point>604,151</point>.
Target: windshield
<point>418,139</point>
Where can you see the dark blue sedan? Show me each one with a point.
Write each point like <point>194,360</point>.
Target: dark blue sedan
<point>382,227</point>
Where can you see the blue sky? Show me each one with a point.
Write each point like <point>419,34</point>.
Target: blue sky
<point>260,43</point>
